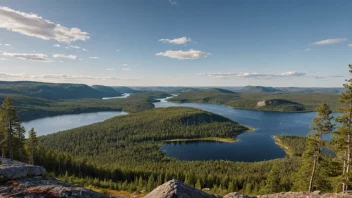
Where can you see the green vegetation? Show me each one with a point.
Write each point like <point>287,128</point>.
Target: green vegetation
<point>53,91</point>
<point>29,108</point>
<point>216,139</point>
<point>274,101</point>
<point>216,96</point>
<point>292,145</point>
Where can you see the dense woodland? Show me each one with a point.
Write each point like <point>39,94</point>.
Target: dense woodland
<point>29,108</point>
<point>123,152</point>
<point>288,101</point>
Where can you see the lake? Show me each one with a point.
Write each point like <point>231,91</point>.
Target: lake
<point>252,146</point>
<point>54,124</point>
<point>124,95</point>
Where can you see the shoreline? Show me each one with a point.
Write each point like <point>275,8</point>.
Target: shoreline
<point>281,145</point>
<point>216,139</point>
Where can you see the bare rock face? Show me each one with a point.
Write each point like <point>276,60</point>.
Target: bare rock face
<point>177,189</point>
<point>11,169</point>
<point>305,195</point>
<point>236,195</point>
<point>40,187</point>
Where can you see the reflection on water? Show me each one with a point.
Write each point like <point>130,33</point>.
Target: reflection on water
<point>54,124</point>
<point>124,95</point>
<point>252,146</point>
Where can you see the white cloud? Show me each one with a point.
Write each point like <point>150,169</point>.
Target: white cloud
<point>94,57</point>
<point>126,69</point>
<point>330,41</point>
<point>71,57</point>
<point>80,59</point>
<point>56,45</point>
<point>7,45</point>
<point>173,2</point>
<point>308,49</point>
<point>55,77</point>
<point>181,40</point>
<point>30,24</point>
<point>73,46</point>
<point>349,45</point>
<point>117,50</point>
<point>110,69</point>
<point>252,75</point>
<point>84,49</point>
<point>125,64</point>
<point>33,57</point>
<point>190,54</point>
<point>3,59</point>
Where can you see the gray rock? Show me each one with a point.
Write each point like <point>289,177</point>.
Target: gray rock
<point>40,187</point>
<point>236,195</point>
<point>177,189</point>
<point>11,169</point>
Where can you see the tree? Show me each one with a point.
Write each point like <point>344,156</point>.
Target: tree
<point>310,170</point>
<point>342,137</point>
<point>198,185</point>
<point>19,136</point>
<point>8,120</point>
<point>32,144</point>
<point>273,180</point>
<point>150,183</point>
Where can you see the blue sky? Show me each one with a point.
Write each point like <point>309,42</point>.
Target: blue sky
<point>177,43</point>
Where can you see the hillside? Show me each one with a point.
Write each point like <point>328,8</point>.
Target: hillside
<point>273,101</point>
<point>126,150</point>
<point>124,89</point>
<point>259,89</point>
<point>29,108</point>
<point>52,91</point>
<point>213,95</point>
<point>108,90</point>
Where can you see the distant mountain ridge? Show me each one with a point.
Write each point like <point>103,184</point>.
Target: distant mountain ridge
<point>260,89</point>
<point>56,91</point>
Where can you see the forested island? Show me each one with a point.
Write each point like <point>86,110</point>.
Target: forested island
<point>278,100</point>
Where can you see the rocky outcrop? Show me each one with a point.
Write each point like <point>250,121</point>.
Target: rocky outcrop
<point>19,180</point>
<point>236,195</point>
<point>177,189</point>
<point>10,169</point>
<point>42,187</point>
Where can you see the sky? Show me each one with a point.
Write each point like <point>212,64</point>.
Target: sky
<point>277,43</point>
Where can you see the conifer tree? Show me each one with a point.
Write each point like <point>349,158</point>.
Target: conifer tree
<point>310,171</point>
<point>273,180</point>
<point>32,144</point>
<point>198,185</point>
<point>8,120</point>
<point>342,139</point>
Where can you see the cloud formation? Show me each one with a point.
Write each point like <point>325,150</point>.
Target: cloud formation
<point>126,69</point>
<point>349,45</point>
<point>110,69</point>
<point>73,46</point>
<point>30,24</point>
<point>94,57</point>
<point>180,54</point>
<point>330,41</point>
<point>55,77</point>
<point>71,57</point>
<point>181,40</point>
<point>308,49</point>
<point>33,57</point>
<point>253,75</point>
<point>56,45</point>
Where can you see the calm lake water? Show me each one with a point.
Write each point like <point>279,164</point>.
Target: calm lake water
<point>124,95</point>
<point>252,146</point>
<point>54,124</point>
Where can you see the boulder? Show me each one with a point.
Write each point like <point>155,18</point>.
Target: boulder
<point>236,195</point>
<point>11,169</point>
<point>41,187</point>
<point>177,189</point>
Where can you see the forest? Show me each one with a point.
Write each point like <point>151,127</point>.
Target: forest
<point>123,153</point>
<point>289,101</point>
<point>29,108</point>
